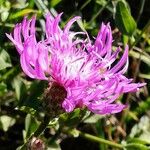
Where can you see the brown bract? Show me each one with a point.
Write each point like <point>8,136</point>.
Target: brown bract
<point>54,95</point>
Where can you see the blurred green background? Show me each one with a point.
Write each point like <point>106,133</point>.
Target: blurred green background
<point>20,95</point>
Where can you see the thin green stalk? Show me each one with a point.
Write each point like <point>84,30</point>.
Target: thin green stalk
<point>96,15</point>
<point>42,126</point>
<point>95,139</point>
<point>9,25</point>
<point>38,132</point>
<point>85,4</point>
<point>41,6</point>
<point>145,76</point>
<point>142,3</point>
<point>100,140</point>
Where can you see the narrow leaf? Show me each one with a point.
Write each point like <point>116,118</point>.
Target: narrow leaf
<point>124,20</point>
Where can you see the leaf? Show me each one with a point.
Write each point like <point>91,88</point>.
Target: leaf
<point>53,3</point>
<point>4,60</point>
<point>145,76</point>
<point>6,122</point>
<point>136,146</point>
<point>20,4</point>
<point>3,88</point>
<point>124,20</point>
<point>4,16</point>
<point>35,91</point>
<point>101,2</point>
<point>143,106</point>
<point>73,118</point>
<point>141,130</point>
<point>137,140</point>
<point>93,119</point>
<point>145,58</point>
<point>30,125</point>
<point>28,110</point>
<point>23,13</point>
<point>19,87</point>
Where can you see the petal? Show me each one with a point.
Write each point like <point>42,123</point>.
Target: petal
<point>69,24</point>
<point>19,47</point>
<point>123,60</point>
<point>68,105</point>
<point>26,66</point>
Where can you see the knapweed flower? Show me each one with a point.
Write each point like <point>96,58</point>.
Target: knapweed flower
<point>87,73</point>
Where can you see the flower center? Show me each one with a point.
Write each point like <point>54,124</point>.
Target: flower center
<point>54,96</point>
<point>57,92</point>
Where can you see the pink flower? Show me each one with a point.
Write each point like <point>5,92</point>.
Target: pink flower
<point>88,72</point>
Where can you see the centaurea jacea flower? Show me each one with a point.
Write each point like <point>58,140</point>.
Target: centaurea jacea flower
<point>84,71</point>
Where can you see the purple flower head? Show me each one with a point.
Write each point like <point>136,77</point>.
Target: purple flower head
<point>87,71</point>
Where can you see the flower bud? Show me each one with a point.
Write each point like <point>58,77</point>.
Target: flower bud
<point>36,144</point>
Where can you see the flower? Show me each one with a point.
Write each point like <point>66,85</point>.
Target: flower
<point>87,72</point>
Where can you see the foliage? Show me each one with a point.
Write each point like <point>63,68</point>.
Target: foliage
<point>20,97</point>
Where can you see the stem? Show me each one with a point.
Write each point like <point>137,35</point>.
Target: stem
<point>142,3</point>
<point>41,6</point>
<point>42,126</point>
<point>100,140</point>
<point>38,132</point>
<point>85,4</point>
<point>96,15</point>
<point>9,25</point>
<point>96,139</point>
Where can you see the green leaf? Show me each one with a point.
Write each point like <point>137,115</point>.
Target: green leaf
<point>145,76</point>
<point>19,87</point>
<point>35,92</point>
<point>143,56</point>
<point>4,16</point>
<point>3,88</point>
<point>73,118</point>
<point>20,4</point>
<point>136,146</point>
<point>101,2</point>
<point>6,122</point>
<point>124,20</point>
<point>93,119</point>
<point>4,60</point>
<point>23,13</point>
<point>30,125</point>
<point>138,140</point>
<point>141,130</point>
<point>53,3</point>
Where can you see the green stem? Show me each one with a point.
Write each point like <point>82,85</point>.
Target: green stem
<point>41,6</point>
<point>42,126</point>
<point>142,3</point>
<point>95,139</point>
<point>9,25</point>
<point>96,15</point>
<point>38,132</point>
<point>85,4</point>
<point>100,140</point>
